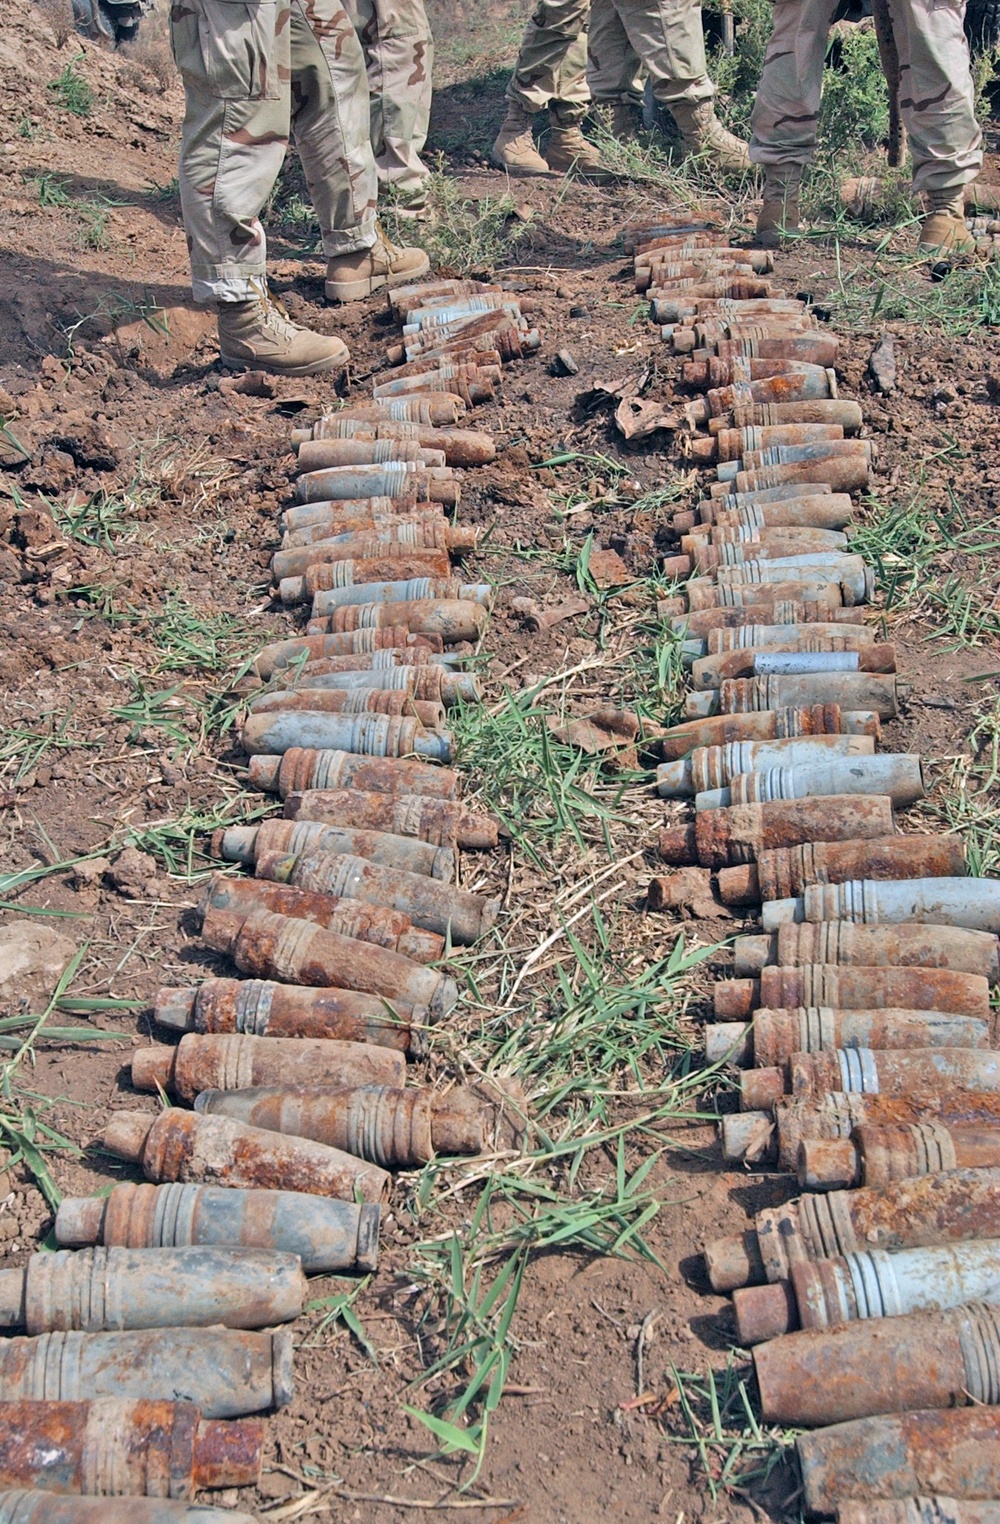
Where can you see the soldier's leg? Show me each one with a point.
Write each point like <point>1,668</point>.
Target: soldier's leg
<point>233,141</point>
<point>937,103</point>
<point>785,117</point>
<point>540,69</point>
<point>668,37</point>
<point>399,50</point>
<point>330,123</point>
<point>614,73</point>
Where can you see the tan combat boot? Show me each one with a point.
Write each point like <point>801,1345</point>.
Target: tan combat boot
<point>702,132</point>
<point>943,232</point>
<point>778,217</point>
<point>568,151</point>
<point>514,149</point>
<point>623,120</point>
<point>260,334</point>
<point>351,277</point>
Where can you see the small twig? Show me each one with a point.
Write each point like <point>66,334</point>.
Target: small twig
<point>314,1501</point>
<point>649,1323</point>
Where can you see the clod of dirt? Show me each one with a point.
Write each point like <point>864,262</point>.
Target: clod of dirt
<point>689,891</point>
<point>53,473</point>
<point>35,529</point>
<point>608,569</point>
<point>564,363</point>
<point>536,618</point>
<point>88,445</point>
<point>604,730</point>
<point>133,873</point>
<point>882,364</point>
<point>88,874</point>
<point>33,958</point>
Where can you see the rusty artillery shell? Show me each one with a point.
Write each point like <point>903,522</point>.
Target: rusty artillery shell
<point>411,590</point>
<point>379,735</point>
<point>816,566</point>
<point>768,414</point>
<point>939,900</point>
<point>402,298</point>
<point>711,767</point>
<point>878,1153</point>
<point>359,515</point>
<point>453,619</point>
<point>28,1507</point>
<point>807,587</point>
<point>872,691</point>
<point>966,952</point>
<point>397,1129</point>
<point>243,844</point>
<point>262,1008</point>
<point>774,1034</point>
<point>462,447</point>
<point>433,820</point>
<point>429,903</point>
<point>705,557</point>
<point>808,510</point>
<point>298,770</point>
<point>922,1360</point>
<point>855,988</point>
<point>125,1448</point>
<point>302,570</point>
<point>440,411</point>
<point>272,660</point>
<point>955,1452</point>
<point>421,683</point>
<point>779,613</point>
<point>837,1115</point>
<point>270,946</point>
<point>806,656</point>
<point>788,871</point>
<point>435,484</point>
<point>362,534</point>
<point>739,834</point>
<point>301,574</point>
<point>362,452</point>
<point>724,367</point>
<point>186,1146</point>
<point>470,356</point>
<point>389,642</point>
<point>319,702</point>
<point>234,1062</point>
<point>746,637</point>
<point>843,473</point>
<point>930,1209</point>
<point>466,381</point>
<point>919,1510</point>
<point>101,1289</point>
<point>376,924</point>
<point>894,1073</point>
<point>761,725</point>
<point>226,1372</point>
<point>796,386</point>
<point>326,1235</point>
<point>795,454</point>
<point>869,1284</point>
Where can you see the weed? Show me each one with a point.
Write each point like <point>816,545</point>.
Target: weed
<point>732,1446</point>
<point>26,128</point>
<point>51,190</point>
<point>71,90</point>
<point>164,193</point>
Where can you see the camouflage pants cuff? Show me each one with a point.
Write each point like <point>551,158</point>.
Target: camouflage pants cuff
<point>690,92</point>
<point>566,114</point>
<point>939,181</point>
<point>350,240</point>
<point>244,286</point>
<point>767,153</point>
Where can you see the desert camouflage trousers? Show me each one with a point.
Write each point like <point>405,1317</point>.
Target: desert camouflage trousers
<point>936,94</point>
<point>661,38</point>
<point>254,72</point>
<point>399,54</point>
<point>664,37</point>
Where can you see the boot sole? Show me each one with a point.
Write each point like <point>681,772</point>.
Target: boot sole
<point>357,290</point>
<point>521,171</point>
<point>315,368</point>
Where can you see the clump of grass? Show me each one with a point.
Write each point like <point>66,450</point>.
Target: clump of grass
<point>71,90</point>
<point>462,234</point>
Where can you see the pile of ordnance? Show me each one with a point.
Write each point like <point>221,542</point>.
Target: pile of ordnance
<point>146,1342</point>
<point>859,1016</point>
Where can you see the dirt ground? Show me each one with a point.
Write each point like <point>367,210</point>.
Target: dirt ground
<point>138,497</point>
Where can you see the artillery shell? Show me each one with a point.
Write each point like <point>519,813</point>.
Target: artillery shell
<point>923,1360</point>
<point>429,903</point>
<point>712,767</point>
<point>433,820</point>
<point>930,1209</point>
<point>894,1073</point>
<point>869,1459</point>
<point>301,570</point>
<point>833,659</point>
<point>379,735</point>
<point>454,619</point>
<point>900,776</point>
<point>103,1289</point>
<point>299,770</point>
<point>944,900</point>
<point>398,1129</point>
<point>967,952</point>
<point>877,1154</point>
<point>774,1034</point>
<point>319,702</point>
<point>764,725</point>
<point>361,452</point>
<point>186,1146</point>
<point>246,843</point>
<point>434,484</point>
<point>233,1062</point>
<point>327,1235</point>
<point>462,447</point>
<point>125,1448</point>
<point>226,1372</point>
<point>854,988</point>
<point>283,653</point>
<point>25,1507</point>
<point>765,414</point>
<point>743,832</point>
<point>260,1008</point>
<point>376,924</point>
<point>786,872</point>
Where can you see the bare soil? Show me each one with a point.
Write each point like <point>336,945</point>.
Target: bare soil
<point>116,414</point>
